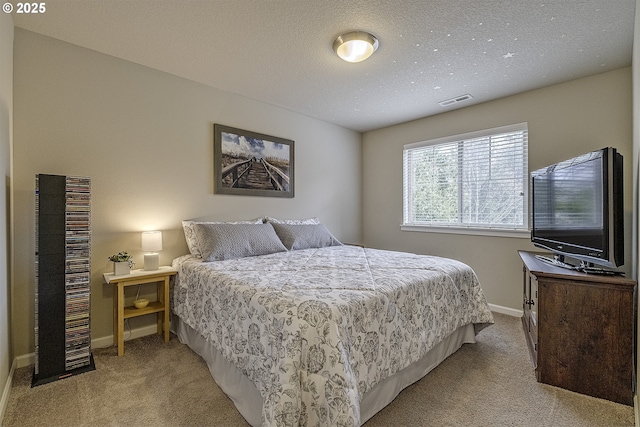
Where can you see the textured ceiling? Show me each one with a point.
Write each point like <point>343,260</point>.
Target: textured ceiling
<point>279,51</point>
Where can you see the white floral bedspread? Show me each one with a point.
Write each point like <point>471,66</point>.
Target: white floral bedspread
<point>315,329</point>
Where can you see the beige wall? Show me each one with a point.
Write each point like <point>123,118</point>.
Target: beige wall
<point>6,112</point>
<point>146,140</point>
<point>564,120</point>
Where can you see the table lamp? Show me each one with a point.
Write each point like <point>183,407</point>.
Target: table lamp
<point>151,244</point>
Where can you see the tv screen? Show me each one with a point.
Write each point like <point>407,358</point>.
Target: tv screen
<point>577,208</point>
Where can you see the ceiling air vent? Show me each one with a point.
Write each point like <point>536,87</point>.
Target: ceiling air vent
<point>455,100</point>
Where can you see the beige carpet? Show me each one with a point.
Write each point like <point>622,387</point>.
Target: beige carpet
<point>490,383</point>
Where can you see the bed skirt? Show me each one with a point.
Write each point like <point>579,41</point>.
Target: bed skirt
<point>248,401</point>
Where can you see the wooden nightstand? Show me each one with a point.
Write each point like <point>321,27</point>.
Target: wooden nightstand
<point>161,306</point>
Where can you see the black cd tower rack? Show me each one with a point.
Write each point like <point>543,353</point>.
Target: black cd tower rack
<point>63,278</point>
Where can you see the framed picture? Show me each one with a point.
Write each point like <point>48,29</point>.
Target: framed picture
<point>251,164</point>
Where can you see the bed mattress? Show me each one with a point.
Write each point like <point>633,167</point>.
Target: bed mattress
<point>315,330</point>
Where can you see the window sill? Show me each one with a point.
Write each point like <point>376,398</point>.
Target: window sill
<point>494,232</point>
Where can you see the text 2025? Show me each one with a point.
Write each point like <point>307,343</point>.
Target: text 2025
<point>31,7</point>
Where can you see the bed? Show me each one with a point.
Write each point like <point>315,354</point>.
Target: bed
<point>320,335</point>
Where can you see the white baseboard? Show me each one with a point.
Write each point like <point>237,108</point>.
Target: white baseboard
<point>505,310</point>
<point>4,401</point>
<point>24,360</point>
<point>129,334</point>
<point>29,359</point>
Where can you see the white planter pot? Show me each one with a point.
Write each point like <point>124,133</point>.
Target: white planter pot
<point>121,268</point>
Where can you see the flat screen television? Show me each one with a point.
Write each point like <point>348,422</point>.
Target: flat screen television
<point>577,209</point>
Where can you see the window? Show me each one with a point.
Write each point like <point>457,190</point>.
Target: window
<point>476,182</point>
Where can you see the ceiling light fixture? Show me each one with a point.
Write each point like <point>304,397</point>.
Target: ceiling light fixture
<point>355,46</point>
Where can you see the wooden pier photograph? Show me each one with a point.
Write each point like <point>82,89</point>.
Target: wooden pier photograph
<point>252,164</point>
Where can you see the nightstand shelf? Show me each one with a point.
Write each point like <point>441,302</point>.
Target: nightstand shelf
<point>153,307</point>
<point>161,277</point>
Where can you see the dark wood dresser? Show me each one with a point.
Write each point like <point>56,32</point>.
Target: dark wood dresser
<point>580,329</point>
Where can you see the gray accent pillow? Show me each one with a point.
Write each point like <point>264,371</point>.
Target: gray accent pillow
<point>228,241</point>
<point>305,236</point>
<point>191,236</point>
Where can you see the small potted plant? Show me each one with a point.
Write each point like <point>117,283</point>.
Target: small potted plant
<point>122,263</point>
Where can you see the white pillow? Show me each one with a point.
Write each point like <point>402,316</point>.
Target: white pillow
<point>307,221</point>
<point>228,241</point>
<point>191,237</point>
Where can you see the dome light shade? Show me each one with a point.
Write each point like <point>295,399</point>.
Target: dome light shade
<point>355,46</point>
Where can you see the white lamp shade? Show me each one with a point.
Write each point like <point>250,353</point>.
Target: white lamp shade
<point>152,241</point>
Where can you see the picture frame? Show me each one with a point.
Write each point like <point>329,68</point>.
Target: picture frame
<point>249,163</point>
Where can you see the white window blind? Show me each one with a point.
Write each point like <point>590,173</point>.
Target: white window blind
<point>476,180</point>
